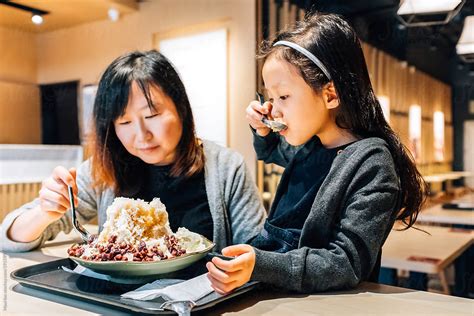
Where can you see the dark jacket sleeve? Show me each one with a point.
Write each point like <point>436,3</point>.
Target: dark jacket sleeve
<point>355,240</point>
<point>273,149</point>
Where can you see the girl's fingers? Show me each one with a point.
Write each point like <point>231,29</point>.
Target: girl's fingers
<point>258,108</point>
<point>267,108</point>
<point>222,288</point>
<point>253,112</point>
<point>244,258</point>
<point>228,266</point>
<point>217,290</point>
<point>236,250</point>
<point>255,119</point>
<point>255,123</point>
<point>218,274</point>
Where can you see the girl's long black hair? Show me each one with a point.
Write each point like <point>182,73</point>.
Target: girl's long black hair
<point>335,43</point>
<point>112,165</point>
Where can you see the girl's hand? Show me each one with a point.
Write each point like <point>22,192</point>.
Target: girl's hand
<point>254,114</point>
<point>228,275</point>
<point>54,195</point>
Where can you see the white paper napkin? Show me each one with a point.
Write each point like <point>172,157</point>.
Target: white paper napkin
<point>190,290</point>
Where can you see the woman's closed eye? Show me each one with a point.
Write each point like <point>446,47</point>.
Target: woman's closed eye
<point>124,123</point>
<point>151,116</point>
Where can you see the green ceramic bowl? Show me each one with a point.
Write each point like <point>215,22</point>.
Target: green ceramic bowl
<point>136,269</point>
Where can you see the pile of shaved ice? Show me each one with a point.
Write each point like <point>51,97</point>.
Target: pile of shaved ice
<point>136,230</point>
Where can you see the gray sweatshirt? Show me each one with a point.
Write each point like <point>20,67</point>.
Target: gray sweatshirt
<point>235,205</point>
<point>349,220</point>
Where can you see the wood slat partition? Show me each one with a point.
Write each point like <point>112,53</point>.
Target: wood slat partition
<point>402,84</point>
<point>15,195</point>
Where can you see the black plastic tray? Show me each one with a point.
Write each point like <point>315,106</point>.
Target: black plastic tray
<point>50,277</point>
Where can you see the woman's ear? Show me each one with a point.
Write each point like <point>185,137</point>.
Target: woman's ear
<point>331,100</point>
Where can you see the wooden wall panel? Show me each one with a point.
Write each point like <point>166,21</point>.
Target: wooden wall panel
<point>404,86</point>
<point>20,113</point>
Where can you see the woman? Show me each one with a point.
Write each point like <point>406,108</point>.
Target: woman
<point>144,147</point>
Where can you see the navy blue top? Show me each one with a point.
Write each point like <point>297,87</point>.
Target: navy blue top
<point>185,199</point>
<point>295,195</point>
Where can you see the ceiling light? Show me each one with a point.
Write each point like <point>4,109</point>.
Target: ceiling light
<point>37,13</point>
<point>465,46</point>
<point>428,12</point>
<point>113,14</point>
<point>37,19</point>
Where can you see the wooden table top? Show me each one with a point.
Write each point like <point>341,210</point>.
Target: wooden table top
<point>437,214</point>
<point>415,250</point>
<point>446,176</point>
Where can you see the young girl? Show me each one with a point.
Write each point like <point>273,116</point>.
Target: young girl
<point>344,188</point>
<point>145,147</point>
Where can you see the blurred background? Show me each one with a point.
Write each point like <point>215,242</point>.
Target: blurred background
<point>420,55</point>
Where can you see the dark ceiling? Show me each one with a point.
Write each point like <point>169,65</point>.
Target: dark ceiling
<point>431,49</point>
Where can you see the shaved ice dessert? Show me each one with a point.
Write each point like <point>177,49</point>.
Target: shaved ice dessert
<point>138,231</point>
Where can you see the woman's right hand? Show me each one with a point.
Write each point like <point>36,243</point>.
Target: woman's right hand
<point>254,113</point>
<point>54,195</point>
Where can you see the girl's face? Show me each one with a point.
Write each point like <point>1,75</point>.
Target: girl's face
<point>151,135</point>
<point>295,103</point>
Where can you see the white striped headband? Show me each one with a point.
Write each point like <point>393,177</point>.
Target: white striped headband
<point>307,53</point>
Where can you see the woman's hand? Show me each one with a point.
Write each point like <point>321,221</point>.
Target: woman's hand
<point>54,201</point>
<point>54,195</point>
<point>254,114</point>
<point>228,275</point>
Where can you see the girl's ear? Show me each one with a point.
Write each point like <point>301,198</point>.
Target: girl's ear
<point>331,100</point>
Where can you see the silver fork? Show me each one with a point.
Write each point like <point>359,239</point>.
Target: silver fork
<point>273,125</point>
<point>85,235</point>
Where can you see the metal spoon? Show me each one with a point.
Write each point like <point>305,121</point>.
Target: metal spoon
<point>85,235</point>
<point>273,125</point>
<point>182,308</point>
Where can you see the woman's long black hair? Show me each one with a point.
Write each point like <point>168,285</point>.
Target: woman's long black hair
<point>335,43</point>
<point>112,164</point>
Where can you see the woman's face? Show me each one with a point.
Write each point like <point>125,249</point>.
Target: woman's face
<point>295,102</point>
<point>151,135</point>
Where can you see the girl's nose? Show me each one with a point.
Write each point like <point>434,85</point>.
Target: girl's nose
<point>275,113</point>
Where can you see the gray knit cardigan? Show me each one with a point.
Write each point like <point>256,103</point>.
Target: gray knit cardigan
<point>349,220</point>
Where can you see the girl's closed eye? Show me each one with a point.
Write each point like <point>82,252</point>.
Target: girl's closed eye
<point>284,97</point>
<point>124,123</point>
